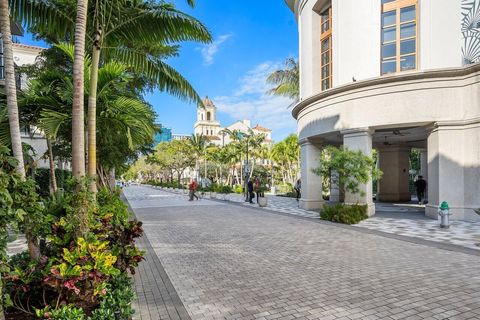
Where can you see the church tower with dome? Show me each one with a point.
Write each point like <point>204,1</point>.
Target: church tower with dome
<point>208,126</point>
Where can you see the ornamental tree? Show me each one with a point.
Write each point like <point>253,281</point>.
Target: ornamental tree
<point>352,168</point>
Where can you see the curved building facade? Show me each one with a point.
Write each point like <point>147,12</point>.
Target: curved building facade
<point>393,75</point>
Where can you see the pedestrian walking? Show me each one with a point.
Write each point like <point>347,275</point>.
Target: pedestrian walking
<point>420,186</point>
<point>258,188</point>
<point>192,188</point>
<point>298,188</point>
<point>250,191</point>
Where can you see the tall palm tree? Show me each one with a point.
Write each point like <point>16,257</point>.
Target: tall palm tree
<point>10,87</point>
<point>286,81</point>
<point>117,22</point>
<point>138,33</point>
<point>199,144</point>
<point>78,125</point>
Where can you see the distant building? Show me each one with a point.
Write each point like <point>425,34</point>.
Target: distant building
<point>180,136</point>
<point>207,125</point>
<point>165,135</point>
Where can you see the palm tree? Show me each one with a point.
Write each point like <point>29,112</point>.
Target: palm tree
<point>10,87</point>
<point>285,154</point>
<point>138,33</point>
<point>286,81</point>
<point>199,144</point>
<point>78,125</point>
<point>149,25</point>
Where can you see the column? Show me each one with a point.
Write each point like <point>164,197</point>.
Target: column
<point>310,155</point>
<point>394,162</point>
<point>453,170</point>
<point>423,163</point>
<point>360,139</point>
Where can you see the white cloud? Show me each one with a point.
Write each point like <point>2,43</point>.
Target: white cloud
<point>208,51</point>
<point>252,102</point>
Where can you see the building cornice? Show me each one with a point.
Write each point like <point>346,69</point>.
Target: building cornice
<point>390,79</point>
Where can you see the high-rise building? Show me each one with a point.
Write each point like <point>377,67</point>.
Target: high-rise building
<point>165,135</point>
<point>392,75</point>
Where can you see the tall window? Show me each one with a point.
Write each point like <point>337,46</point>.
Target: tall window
<point>326,48</point>
<point>399,35</point>
<point>208,116</point>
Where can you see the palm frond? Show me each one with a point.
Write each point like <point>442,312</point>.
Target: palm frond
<point>51,121</point>
<point>150,23</point>
<point>164,76</point>
<point>43,16</point>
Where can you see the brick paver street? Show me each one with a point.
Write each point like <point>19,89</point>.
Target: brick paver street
<point>399,219</point>
<point>234,262</point>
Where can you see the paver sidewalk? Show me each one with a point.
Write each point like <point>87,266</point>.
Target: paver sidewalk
<point>389,218</point>
<point>233,262</point>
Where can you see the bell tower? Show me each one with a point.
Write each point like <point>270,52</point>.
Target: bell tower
<point>207,124</point>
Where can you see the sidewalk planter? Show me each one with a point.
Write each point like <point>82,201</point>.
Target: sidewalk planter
<point>262,202</point>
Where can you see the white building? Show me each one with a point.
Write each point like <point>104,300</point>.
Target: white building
<point>208,125</point>
<point>24,55</point>
<point>393,75</point>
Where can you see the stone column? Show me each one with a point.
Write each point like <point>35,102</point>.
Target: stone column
<point>334,190</point>
<point>311,183</point>
<point>423,163</point>
<point>360,139</point>
<point>453,170</point>
<point>394,162</point>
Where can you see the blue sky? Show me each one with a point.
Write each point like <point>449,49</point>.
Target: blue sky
<point>251,39</point>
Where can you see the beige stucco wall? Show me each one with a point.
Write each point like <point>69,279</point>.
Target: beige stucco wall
<point>405,99</point>
<point>356,39</point>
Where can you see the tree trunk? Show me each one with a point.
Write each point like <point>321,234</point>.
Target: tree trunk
<point>33,247</point>
<point>53,178</point>
<point>78,125</point>
<point>92,111</point>
<point>111,179</point>
<point>10,88</point>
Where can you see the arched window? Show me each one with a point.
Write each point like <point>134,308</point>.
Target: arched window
<point>208,116</point>
<point>202,116</point>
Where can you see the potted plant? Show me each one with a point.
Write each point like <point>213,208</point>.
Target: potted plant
<point>262,200</point>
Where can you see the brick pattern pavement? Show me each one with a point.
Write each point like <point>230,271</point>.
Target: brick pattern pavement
<point>156,299</point>
<point>405,220</point>
<point>156,296</point>
<point>232,262</point>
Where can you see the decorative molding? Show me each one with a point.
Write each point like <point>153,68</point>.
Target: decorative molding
<point>357,132</point>
<point>450,73</point>
<point>470,31</point>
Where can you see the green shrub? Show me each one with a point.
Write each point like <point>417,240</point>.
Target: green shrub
<point>78,278</point>
<point>167,184</point>
<point>347,214</point>
<point>117,303</point>
<point>238,189</point>
<point>223,189</point>
<point>68,312</point>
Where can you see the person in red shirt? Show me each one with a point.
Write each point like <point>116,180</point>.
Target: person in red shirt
<point>192,187</point>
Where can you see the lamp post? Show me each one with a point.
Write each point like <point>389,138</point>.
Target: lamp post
<point>247,174</point>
